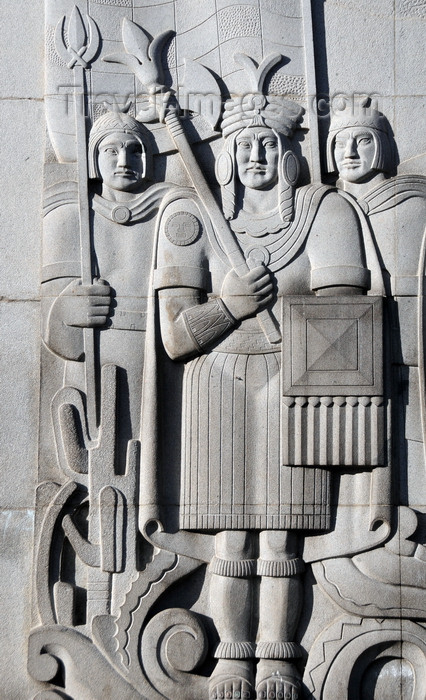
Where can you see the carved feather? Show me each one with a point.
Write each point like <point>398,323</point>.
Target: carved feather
<point>257,74</point>
<point>156,46</point>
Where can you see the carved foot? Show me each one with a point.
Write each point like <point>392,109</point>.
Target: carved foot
<point>232,680</point>
<point>277,680</point>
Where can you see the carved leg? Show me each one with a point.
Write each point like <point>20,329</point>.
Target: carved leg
<point>231,605</point>
<point>279,609</point>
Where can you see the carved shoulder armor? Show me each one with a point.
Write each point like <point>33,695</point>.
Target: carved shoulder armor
<point>61,242</point>
<point>335,246</point>
<point>182,254</point>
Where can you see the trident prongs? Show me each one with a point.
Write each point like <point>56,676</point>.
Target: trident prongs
<point>82,44</point>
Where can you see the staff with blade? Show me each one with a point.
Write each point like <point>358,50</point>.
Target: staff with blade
<point>144,59</point>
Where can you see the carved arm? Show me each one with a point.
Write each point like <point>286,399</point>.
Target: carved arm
<point>189,325</point>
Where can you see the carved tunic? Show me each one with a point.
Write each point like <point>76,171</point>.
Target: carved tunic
<point>232,475</point>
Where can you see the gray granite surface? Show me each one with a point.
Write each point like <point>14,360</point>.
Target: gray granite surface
<point>213,377</point>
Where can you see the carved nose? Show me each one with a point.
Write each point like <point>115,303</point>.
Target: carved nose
<point>122,158</point>
<point>255,154</point>
<point>350,150</point>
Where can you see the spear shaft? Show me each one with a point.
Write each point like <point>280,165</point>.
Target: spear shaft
<point>85,244</point>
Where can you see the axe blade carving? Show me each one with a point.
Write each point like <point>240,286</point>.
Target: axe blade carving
<point>206,101</point>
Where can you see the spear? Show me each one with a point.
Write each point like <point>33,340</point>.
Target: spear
<point>77,53</point>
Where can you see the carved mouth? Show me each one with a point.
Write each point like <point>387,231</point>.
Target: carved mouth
<point>125,173</point>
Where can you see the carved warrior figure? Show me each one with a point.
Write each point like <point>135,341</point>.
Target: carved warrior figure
<point>304,241</point>
<point>361,149</point>
<point>122,234</point>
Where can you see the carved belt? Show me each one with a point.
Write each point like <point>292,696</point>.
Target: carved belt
<point>128,320</point>
<point>250,342</point>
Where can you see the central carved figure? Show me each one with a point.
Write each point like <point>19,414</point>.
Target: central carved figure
<point>233,481</point>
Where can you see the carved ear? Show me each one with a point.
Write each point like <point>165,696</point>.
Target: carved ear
<point>224,168</point>
<point>290,168</point>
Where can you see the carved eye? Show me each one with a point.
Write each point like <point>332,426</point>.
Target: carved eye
<point>365,140</point>
<point>111,151</point>
<point>244,144</point>
<point>270,144</point>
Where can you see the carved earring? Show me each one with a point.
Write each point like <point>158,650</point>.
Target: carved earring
<point>224,168</point>
<point>290,168</point>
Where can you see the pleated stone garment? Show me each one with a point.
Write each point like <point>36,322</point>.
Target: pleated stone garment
<point>232,476</point>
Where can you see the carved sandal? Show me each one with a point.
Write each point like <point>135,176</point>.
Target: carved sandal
<point>279,684</point>
<point>230,687</point>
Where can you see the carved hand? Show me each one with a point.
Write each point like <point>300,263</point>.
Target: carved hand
<point>86,306</point>
<point>245,296</point>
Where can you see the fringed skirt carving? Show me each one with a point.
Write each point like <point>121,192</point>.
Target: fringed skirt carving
<point>232,472</point>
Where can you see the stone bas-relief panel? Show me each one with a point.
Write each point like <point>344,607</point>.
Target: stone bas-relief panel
<point>226,373</point>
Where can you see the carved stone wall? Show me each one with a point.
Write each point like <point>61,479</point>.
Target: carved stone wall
<point>213,265</point>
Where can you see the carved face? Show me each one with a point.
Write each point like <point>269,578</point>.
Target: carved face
<point>121,161</point>
<point>257,157</point>
<point>354,153</point>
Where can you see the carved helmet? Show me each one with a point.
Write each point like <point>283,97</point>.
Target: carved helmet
<point>117,122</point>
<point>360,113</point>
<point>255,108</point>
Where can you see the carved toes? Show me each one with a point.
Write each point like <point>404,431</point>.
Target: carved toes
<point>234,688</point>
<point>277,688</point>
<point>277,680</point>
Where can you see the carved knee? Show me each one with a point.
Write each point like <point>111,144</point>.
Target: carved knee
<point>278,554</point>
<point>234,555</point>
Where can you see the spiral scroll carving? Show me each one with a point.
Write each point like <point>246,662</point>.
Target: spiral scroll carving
<point>173,645</point>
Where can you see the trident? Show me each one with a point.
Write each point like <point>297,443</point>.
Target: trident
<point>78,53</point>
<point>144,59</point>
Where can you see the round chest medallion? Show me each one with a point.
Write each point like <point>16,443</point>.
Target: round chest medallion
<point>257,255</point>
<point>182,228</point>
<point>120,214</point>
